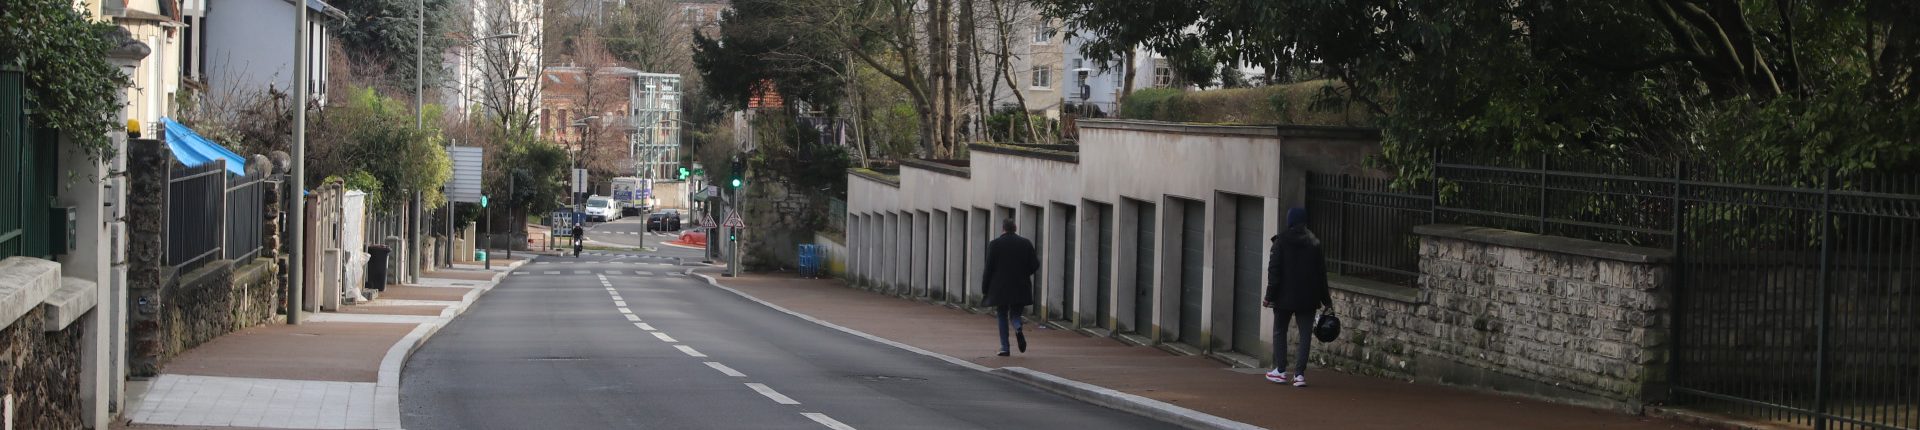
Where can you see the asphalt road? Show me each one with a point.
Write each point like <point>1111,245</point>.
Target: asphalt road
<point>552,347</point>
<point>627,232</point>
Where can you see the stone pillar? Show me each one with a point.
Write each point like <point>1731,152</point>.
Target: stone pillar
<point>148,162</point>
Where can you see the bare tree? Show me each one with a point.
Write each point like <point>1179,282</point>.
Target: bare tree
<point>603,91</point>
<point>507,67</point>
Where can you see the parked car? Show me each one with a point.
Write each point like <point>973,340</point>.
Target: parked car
<point>602,209</point>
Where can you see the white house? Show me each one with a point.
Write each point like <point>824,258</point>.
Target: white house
<point>249,44</point>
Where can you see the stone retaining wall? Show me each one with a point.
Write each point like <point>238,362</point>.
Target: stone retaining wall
<point>41,370</point>
<point>1556,318</point>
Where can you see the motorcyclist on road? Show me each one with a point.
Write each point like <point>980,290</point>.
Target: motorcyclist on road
<point>579,239</point>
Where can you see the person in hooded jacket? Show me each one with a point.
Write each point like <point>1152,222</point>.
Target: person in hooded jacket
<point>1296,289</point>
<point>1008,281</point>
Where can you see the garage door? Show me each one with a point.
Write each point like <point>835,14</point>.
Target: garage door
<point>1246,275</point>
<point>1193,234</point>
<point>1071,252</point>
<point>1103,268</point>
<point>1143,271</point>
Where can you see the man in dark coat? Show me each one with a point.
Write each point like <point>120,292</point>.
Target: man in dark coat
<point>1011,262</point>
<point>1296,287</point>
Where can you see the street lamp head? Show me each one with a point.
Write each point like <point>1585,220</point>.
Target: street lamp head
<point>502,36</point>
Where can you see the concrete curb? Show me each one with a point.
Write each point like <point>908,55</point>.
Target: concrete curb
<point>1150,408</point>
<point>1094,394</point>
<point>386,392</point>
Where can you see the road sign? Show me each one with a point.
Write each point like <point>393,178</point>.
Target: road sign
<point>559,220</point>
<point>579,180</point>
<point>733,220</point>
<point>464,186</point>
<point>706,221</point>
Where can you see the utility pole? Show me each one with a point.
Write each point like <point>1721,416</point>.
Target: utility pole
<point>298,254</point>
<point>419,122</point>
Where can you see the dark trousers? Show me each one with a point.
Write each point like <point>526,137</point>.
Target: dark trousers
<point>1302,319</point>
<point>1003,313</point>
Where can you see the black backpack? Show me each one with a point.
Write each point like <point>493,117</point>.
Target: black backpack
<point>1326,327</point>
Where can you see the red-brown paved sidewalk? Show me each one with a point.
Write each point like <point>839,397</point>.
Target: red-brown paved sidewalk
<point>1334,401</point>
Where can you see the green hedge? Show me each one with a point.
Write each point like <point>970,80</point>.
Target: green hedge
<point>1277,104</point>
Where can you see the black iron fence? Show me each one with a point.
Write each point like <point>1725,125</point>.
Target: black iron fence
<point>246,217</point>
<point>196,198</point>
<point>1797,298</point>
<point>27,173</point>
<point>1365,226</point>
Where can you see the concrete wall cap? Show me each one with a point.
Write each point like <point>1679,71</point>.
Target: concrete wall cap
<point>938,167</point>
<point>1273,130</point>
<point>24,283</point>
<point>869,174</point>
<point>74,298</point>
<point>1563,245</point>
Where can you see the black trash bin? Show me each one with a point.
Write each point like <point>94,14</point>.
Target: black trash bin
<point>377,267</point>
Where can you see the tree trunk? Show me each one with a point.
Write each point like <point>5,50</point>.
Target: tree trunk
<point>964,66</point>
<point>1126,84</point>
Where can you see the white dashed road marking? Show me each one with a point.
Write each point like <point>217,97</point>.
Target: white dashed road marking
<point>582,272</point>
<point>825,420</point>
<point>632,317</point>
<point>626,311</point>
<point>664,337</point>
<point>642,273</point>
<point>726,370</point>
<point>775,395</point>
<point>552,272</point>
<point>643,326</point>
<point>618,302</point>
<point>689,350</point>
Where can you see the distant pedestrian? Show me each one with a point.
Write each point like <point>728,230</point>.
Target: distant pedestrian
<point>1011,262</point>
<point>1296,288</point>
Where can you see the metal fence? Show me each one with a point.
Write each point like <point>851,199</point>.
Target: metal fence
<point>1365,226</point>
<point>246,217</point>
<point>1797,298</point>
<point>27,173</point>
<point>196,202</point>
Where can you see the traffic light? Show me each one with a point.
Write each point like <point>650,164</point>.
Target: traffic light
<point>737,175</point>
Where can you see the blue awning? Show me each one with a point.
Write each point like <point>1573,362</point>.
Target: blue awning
<point>194,151</point>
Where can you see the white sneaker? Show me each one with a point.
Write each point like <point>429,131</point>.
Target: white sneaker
<point>1300,380</point>
<point>1278,377</point>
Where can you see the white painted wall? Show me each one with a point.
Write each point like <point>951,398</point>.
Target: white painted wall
<point>1119,163</point>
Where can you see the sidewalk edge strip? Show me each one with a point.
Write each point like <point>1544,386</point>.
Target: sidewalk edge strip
<point>910,348</point>
<point>1097,395</point>
<point>1115,399</point>
<point>386,411</point>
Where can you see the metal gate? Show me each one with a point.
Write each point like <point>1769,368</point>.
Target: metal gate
<point>1193,235</point>
<point>1247,250</point>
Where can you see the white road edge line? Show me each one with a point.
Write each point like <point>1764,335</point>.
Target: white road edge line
<point>775,395</point>
<point>689,350</point>
<point>664,337</point>
<point>726,370</point>
<point>825,420</point>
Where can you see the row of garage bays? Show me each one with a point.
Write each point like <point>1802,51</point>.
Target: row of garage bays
<point>1176,258</point>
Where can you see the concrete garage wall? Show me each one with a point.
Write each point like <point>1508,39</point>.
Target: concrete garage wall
<point>892,215</point>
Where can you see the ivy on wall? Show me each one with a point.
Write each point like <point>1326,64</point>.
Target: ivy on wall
<point>70,85</point>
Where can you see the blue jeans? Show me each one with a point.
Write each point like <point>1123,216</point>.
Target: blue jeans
<point>1002,313</point>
